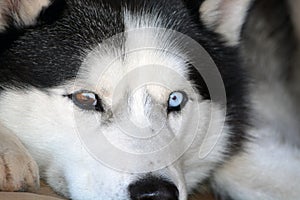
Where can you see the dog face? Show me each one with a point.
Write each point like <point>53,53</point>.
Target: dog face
<point>109,102</point>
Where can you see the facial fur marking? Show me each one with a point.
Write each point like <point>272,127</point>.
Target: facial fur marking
<point>99,46</point>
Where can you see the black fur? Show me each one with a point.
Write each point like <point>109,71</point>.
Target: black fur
<point>267,48</point>
<point>53,12</point>
<point>51,53</point>
<point>235,79</point>
<point>274,28</point>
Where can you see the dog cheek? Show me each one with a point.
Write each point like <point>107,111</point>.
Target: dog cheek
<point>175,122</point>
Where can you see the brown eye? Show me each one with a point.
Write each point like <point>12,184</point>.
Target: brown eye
<point>86,100</point>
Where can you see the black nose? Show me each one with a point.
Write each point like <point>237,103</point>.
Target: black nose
<point>153,188</point>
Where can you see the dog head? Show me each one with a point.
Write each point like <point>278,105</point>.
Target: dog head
<point>124,100</point>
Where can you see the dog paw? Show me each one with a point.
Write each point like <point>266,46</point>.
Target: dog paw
<point>19,13</point>
<point>18,172</point>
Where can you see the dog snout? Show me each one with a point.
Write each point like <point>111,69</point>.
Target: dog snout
<point>153,188</point>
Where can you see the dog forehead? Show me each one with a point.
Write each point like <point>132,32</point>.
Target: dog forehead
<point>140,56</point>
<point>157,74</point>
<point>76,47</point>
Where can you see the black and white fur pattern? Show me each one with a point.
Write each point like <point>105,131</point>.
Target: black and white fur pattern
<point>40,65</point>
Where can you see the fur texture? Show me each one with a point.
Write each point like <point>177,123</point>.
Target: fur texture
<point>131,55</point>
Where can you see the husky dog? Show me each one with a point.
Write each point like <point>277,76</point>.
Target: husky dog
<point>137,99</point>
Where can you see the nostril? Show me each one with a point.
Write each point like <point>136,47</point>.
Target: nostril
<point>153,188</point>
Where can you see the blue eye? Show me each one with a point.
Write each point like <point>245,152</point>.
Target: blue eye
<point>176,101</point>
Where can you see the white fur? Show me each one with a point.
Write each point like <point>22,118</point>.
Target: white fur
<point>71,170</point>
<point>269,167</point>
<point>22,12</point>
<point>225,17</point>
<point>134,88</point>
<point>268,170</point>
<point>134,85</point>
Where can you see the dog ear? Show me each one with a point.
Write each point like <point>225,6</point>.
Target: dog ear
<point>225,17</point>
<point>22,13</point>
